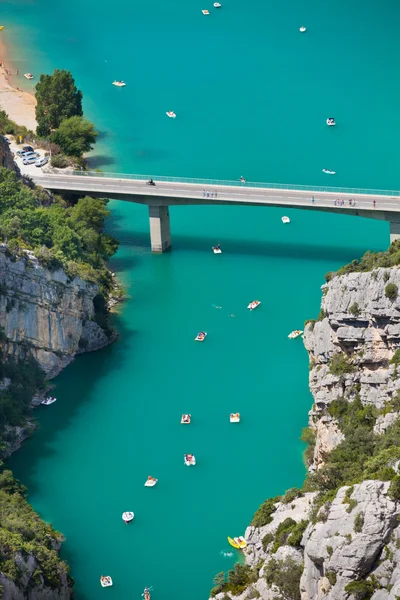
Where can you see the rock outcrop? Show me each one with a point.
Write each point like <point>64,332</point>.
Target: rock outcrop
<point>45,314</point>
<point>350,544</point>
<point>31,585</point>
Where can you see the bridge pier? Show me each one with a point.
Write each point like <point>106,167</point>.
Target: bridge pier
<point>394,231</point>
<point>160,231</point>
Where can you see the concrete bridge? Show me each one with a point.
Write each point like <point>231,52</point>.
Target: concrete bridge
<point>168,191</point>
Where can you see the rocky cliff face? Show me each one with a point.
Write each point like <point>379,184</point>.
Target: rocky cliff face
<point>6,158</point>
<point>31,584</point>
<point>45,314</point>
<point>354,538</point>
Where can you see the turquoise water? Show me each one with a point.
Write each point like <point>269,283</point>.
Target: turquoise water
<point>251,94</point>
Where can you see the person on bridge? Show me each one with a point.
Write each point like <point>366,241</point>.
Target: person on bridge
<point>242,179</point>
<point>374,203</point>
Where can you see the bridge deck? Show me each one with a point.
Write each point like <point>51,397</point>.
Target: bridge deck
<point>178,192</point>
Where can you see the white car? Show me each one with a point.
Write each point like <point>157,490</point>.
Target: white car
<point>32,158</point>
<point>42,161</point>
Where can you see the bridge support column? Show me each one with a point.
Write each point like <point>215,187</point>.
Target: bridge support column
<point>394,231</point>
<point>160,231</point>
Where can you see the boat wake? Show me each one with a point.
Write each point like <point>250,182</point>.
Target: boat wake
<point>226,554</point>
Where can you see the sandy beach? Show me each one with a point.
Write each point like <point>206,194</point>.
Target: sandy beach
<point>19,105</point>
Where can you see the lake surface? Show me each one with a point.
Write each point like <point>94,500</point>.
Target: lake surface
<point>252,95</point>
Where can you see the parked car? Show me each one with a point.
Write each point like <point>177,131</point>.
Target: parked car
<point>28,160</point>
<point>25,151</point>
<point>42,161</point>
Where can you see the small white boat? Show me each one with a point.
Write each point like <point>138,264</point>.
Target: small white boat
<point>285,220</point>
<point>119,83</point>
<point>253,304</point>
<point>329,172</point>
<point>128,516</point>
<point>28,75</point>
<point>189,460</point>
<point>217,5</point>
<point>106,581</point>
<point>302,29</point>
<point>200,337</point>
<point>217,249</point>
<point>49,401</point>
<point>205,12</point>
<point>330,121</point>
<point>171,114</point>
<point>151,481</point>
<point>185,419</point>
<point>295,334</point>
<point>234,418</point>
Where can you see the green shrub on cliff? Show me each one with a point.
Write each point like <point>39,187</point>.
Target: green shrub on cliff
<point>370,261</point>
<point>23,532</point>
<point>60,234</point>
<point>26,378</point>
<point>7,126</point>
<point>391,291</point>
<point>263,515</point>
<point>339,365</point>
<point>361,590</point>
<point>285,574</point>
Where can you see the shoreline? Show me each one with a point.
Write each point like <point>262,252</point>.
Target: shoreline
<point>17,103</point>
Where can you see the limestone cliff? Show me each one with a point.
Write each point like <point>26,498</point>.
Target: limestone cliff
<point>343,543</point>
<point>46,314</point>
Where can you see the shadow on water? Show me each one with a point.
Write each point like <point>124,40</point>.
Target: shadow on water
<point>285,249</point>
<point>81,378</point>
<point>100,160</point>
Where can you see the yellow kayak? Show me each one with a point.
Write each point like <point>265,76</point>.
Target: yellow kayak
<point>1,27</point>
<point>233,543</point>
<point>241,542</point>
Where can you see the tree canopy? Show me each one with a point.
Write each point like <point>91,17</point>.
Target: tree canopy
<point>58,99</point>
<point>60,234</point>
<point>75,136</point>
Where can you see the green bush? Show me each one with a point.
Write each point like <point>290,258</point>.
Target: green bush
<point>331,577</point>
<point>296,535</point>
<point>291,495</point>
<point>7,126</point>
<point>361,590</point>
<point>282,533</point>
<point>339,365</point>
<point>59,161</point>
<point>309,437</point>
<point>394,488</point>
<point>267,539</point>
<point>286,576</point>
<point>395,360</point>
<point>355,309</point>
<point>391,291</point>
<point>239,578</point>
<point>263,515</point>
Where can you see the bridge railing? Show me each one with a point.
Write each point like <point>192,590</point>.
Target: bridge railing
<point>230,183</point>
